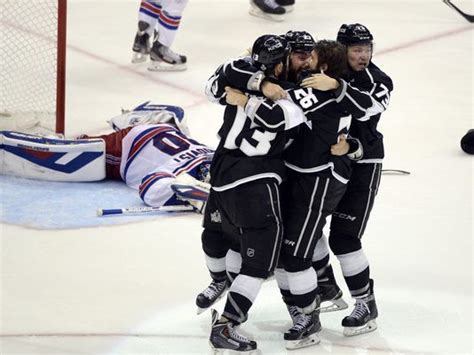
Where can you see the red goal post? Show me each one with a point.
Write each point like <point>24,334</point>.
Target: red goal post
<point>32,65</point>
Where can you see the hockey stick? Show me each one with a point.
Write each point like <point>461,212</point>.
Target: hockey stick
<point>468,17</point>
<point>142,210</point>
<point>395,172</point>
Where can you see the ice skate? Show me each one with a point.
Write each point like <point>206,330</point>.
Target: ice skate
<point>362,318</point>
<point>332,304</point>
<point>267,9</point>
<point>225,337</point>
<point>294,313</point>
<point>330,293</point>
<point>305,332</point>
<point>288,5</point>
<point>210,295</point>
<point>141,44</point>
<point>164,59</point>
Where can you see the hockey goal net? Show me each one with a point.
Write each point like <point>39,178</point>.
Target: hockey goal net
<point>32,65</point>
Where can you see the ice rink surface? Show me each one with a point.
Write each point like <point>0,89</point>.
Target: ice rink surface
<point>130,289</point>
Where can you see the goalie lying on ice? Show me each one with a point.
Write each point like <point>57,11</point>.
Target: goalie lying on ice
<point>166,166</point>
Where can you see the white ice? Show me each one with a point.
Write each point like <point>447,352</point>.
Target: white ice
<point>130,289</point>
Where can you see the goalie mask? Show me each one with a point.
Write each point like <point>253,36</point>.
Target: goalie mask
<point>354,34</point>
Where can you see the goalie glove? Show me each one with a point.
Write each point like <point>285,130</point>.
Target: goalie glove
<point>191,190</point>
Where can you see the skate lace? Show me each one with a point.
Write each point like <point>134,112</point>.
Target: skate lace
<point>271,3</point>
<point>360,309</point>
<point>303,321</point>
<point>236,336</point>
<point>294,312</point>
<point>214,289</point>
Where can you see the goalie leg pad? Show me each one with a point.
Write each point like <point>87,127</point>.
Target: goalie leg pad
<point>41,158</point>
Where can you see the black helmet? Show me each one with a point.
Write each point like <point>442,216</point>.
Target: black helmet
<point>268,51</point>
<point>467,142</point>
<point>354,33</point>
<point>300,41</point>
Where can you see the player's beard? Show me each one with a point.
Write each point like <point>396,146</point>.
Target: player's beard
<point>293,74</point>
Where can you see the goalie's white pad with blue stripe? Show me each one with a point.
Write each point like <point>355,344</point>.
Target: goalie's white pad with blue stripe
<point>149,113</point>
<point>52,159</point>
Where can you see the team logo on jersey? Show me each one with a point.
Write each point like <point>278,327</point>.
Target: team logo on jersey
<point>216,217</point>
<point>250,252</point>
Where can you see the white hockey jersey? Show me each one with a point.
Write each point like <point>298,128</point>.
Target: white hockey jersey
<point>152,157</point>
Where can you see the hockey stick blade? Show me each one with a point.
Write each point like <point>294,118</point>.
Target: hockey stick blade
<point>395,172</point>
<point>468,17</point>
<point>142,210</point>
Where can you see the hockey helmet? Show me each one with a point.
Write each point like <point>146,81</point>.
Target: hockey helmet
<point>467,142</point>
<point>268,51</point>
<point>300,41</point>
<point>353,34</point>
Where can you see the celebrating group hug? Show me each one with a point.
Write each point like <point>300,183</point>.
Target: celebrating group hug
<point>298,143</point>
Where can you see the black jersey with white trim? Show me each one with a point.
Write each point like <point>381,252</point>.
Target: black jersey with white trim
<point>246,151</point>
<point>330,114</point>
<point>379,85</point>
<point>238,73</point>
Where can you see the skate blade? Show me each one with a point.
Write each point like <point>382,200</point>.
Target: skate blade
<point>333,305</point>
<point>162,66</point>
<point>218,351</point>
<point>201,310</point>
<point>353,331</point>
<point>259,13</point>
<point>313,339</point>
<point>139,57</point>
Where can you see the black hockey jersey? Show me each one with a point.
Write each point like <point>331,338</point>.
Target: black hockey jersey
<point>247,151</point>
<point>379,86</point>
<point>330,114</point>
<point>239,74</point>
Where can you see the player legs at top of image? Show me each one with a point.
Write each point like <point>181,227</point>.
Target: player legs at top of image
<point>161,56</point>
<point>267,9</point>
<point>158,22</point>
<point>148,15</point>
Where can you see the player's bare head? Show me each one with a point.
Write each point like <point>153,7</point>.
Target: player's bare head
<point>330,56</point>
<point>359,42</point>
<point>270,54</point>
<point>302,45</point>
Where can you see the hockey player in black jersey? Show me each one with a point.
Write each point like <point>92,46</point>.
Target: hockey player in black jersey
<point>317,180</point>
<point>302,57</point>
<point>349,221</point>
<point>244,202</point>
<point>240,73</point>
<point>302,47</point>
